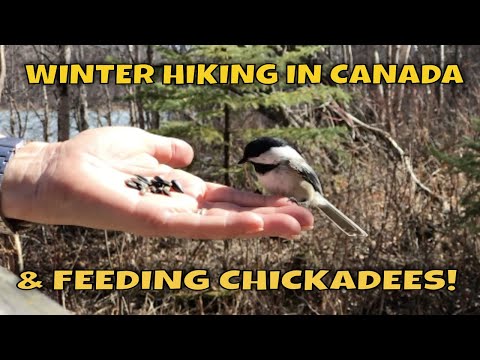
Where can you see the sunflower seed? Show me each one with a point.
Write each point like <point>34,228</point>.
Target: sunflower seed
<point>157,184</point>
<point>132,184</point>
<point>159,180</point>
<point>176,186</point>
<point>143,179</point>
<point>140,183</point>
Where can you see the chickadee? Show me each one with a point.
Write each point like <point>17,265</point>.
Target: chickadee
<point>281,170</point>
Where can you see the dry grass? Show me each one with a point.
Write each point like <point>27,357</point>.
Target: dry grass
<point>408,230</point>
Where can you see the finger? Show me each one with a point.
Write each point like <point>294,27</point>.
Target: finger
<point>196,226</point>
<point>170,151</point>
<point>217,192</point>
<point>282,225</point>
<point>232,225</point>
<point>303,216</point>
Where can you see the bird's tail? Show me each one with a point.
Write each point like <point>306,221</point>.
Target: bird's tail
<point>342,221</point>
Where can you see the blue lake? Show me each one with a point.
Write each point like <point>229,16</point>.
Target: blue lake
<point>34,128</point>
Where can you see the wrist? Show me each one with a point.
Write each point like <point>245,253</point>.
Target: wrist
<point>22,178</point>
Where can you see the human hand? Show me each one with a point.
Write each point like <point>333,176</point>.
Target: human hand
<point>82,182</point>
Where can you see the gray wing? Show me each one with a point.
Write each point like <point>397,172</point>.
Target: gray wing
<point>307,173</point>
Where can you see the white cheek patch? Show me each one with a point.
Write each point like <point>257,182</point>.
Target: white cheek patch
<point>276,154</point>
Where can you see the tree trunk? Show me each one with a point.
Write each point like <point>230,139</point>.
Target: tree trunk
<point>109,106</point>
<point>404,54</point>
<point>63,100</point>
<point>131,106</point>
<point>46,113</point>
<point>154,122</point>
<point>345,56</point>
<point>350,56</point>
<point>442,66</point>
<point>226,145</point>
<point>376,60</point>
<point>458,60</point>
<point>83,106</point>
<point>16,127</point>
<point>140,112</point>
<point>134,52</point>
<point>45,118</point>
<point>149,54</point>
<point>389,97</point>
<point>3,69</point>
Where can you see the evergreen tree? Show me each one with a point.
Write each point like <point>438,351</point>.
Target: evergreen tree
<point>468,162</point>
<point>209,107</point>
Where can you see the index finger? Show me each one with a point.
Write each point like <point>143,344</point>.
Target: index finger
<point>170,151</point>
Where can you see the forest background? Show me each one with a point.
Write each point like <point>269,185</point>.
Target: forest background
<point>400,159</point>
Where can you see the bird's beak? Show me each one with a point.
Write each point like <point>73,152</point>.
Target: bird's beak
<point>242,161</point>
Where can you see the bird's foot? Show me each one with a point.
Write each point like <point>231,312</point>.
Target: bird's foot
<point>302,202</point>
<point>292,199</point>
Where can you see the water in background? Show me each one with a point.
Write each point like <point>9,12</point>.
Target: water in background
<point>34,129</point>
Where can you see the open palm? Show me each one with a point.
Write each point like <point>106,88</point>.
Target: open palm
<point>84,184</point>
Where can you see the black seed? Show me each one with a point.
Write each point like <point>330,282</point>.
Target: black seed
<point>157,184</point>
<point>132,184</point>
<point>138,182</point>
<point>176,186</point>
<point>143,179</point>
<point>166,191</point>
<point>159,180</point>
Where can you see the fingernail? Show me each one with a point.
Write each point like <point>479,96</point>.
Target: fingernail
<point>258,222</point>
<point>255,231</point>
<point>307,227</point>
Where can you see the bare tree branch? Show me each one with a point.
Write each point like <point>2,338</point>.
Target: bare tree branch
<point>403,156</point>
<point>41,53</point>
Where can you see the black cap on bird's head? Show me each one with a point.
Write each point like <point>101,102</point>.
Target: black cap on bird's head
<point>260,145</point>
